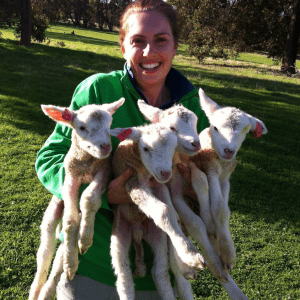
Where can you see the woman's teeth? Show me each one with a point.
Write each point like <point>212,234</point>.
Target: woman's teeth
<point>150,66</point>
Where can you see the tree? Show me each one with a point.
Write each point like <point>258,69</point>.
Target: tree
<point>220,28</point>
<point>76,10</point>
<point>26,23</point>
<point>291,47</point>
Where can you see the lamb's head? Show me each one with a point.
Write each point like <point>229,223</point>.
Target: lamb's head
<point>180,120</point>
<point>156,144</point>
<point>91,123</point>
<point>229,126</point>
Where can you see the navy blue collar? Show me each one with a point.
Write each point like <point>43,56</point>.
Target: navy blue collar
<point>179,86</point>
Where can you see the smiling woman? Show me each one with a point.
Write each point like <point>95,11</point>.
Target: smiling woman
<point>148,40</point>
<point>149,49</point>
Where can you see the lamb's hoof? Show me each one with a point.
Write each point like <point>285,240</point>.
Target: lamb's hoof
<point>198,262</point>
<point>83,247</point>
<point>220,273</point>
<point>70,274</point>
<point>190,275</point>
<point>228,256</point>
<point>70,270</point>
<point>216,267</point>
<point>211,234</point>
<point>140,270</point>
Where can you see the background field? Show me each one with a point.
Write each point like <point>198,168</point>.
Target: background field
<point>265,193</point>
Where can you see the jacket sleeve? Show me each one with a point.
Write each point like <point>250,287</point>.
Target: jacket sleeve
<point>49,161</point>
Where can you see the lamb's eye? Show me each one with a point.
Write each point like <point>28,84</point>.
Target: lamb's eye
<point>82,128</point>
<point>216,129</point>
<point>146,149</point>
<point>173,129</point>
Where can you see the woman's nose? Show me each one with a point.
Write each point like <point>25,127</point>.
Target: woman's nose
<point>149,49</point>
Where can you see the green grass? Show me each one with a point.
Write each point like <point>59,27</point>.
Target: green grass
<point>265,188</point>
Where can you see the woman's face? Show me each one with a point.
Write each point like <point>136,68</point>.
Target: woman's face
<point>149,47</point>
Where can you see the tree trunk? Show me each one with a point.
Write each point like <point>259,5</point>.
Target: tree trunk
<point>26,22</point>
<point>291,47</point>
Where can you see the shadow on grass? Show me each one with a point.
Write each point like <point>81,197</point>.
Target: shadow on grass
<point>80,38</point>
<point>44,75</point>
<point>94,29</point>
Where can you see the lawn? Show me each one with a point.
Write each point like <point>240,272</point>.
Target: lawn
<point>265,188</point>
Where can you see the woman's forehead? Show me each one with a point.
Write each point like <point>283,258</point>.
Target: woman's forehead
<point>147,22</point>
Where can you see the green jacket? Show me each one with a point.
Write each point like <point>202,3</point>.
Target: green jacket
<point>99,89</point>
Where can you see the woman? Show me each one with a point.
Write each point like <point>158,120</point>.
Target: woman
<point>149,41</point>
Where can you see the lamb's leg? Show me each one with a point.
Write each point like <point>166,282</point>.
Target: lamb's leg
<point>200,185</point>
<point>164,215</point>
<point>138,233</point>
<point>71,221</point>
<point>49,289</point>
<point>52,217</point>
<point>186,271</point>
<point>196,228</point>
<point>157,239</point>
<point>119,248</point>
<point>221,215</point>
<point>183,286</point>
<point>90,203</point>
<point>233,290</point>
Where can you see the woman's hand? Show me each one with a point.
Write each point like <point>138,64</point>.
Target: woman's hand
<point>116,191</point>
<point>186,174</point>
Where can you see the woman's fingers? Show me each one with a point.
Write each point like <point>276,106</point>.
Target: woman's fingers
<point>116,191</point>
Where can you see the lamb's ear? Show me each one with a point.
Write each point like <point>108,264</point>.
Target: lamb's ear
<point>112,107</point>
<point>150,112</point>
<point>122,134</point>
<point>208,105</point>
<point>257,127</point>
<point>59,114</point>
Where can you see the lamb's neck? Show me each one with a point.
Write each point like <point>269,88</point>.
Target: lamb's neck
<point>79,153</point>
<point>135,160</point>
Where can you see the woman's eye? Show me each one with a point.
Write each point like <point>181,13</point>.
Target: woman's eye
<point>137,41</point>
<point>160,40</point>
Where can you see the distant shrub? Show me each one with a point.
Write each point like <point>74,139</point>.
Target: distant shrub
<point>38,29</point>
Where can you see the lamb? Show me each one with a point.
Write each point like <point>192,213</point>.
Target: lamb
<point>220,143</point>
<point>87,161</point>
<point>148,150</point>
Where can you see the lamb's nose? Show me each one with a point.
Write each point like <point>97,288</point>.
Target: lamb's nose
<point>196,145</point>
<point>105,147</point>
<point>165,174</point>
<point>228,151</point>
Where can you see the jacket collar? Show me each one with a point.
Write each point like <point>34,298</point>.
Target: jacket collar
<point>178,84</point>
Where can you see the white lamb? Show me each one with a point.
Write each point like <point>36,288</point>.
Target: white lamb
<point>87,161</point>
<point>219,145</point>
<point>149,151</point>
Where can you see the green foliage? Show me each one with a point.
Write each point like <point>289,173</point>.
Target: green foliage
<point>264,198</point>
<point>223,28</point>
